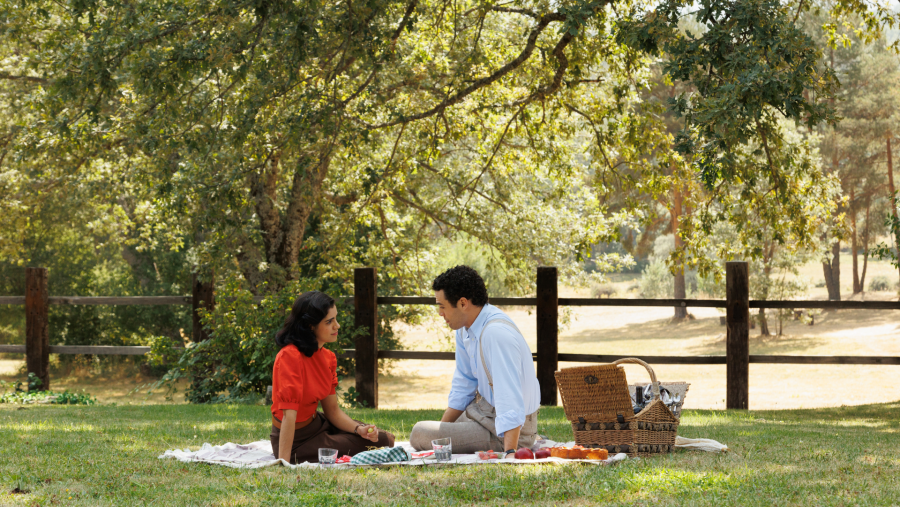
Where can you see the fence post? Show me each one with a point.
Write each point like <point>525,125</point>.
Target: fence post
<point>737,344</point>
<point>202,296</point>
<point>37,329</point>
<point>365,300</point>
<point>547,333</point>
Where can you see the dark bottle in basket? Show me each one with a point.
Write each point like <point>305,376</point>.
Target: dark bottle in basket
<point>638,399</point>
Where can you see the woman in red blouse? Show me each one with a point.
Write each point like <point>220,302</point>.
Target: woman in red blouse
<point>305,374</point>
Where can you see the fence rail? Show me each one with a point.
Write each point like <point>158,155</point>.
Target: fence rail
<point>115,350</point>
<point>429,300</point>
<point>366,354</point>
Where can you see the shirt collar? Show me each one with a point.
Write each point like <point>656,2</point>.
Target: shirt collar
<point>486,312</point>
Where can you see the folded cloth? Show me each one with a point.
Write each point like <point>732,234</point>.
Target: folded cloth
<point>379,456</point>
<point>699,444</point>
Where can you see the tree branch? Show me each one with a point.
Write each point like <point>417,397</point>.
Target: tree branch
<point>31,79</point>
<point>485,81</point>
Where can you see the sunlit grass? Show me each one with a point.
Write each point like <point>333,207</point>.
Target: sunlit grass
<point>107,455</point>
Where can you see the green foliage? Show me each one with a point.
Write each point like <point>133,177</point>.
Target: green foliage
<point>750,65</point>
<point>605,289</point>
<point>879,284</point>
<point>351,399</point>
<point>63,398</point>
<point>35,395</point>
<point>657,279</point>
<point>235,363</point>
<point>223,130</point>
<point>162,351</point>
<point>34,382</point>
<point>889,252</point>
<point>237,359</point>
<point>465,250</point>
<point>174,138</point>
<point>87,257</point>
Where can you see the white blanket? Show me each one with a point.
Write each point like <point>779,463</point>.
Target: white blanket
<point>699,444</point>
<point>259,454</point>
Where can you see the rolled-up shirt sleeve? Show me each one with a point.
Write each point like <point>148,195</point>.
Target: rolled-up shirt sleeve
<point>462,389</point>
<point>287,386</point>
<point>507,374</point>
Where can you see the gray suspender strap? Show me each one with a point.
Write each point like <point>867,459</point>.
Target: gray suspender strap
<point>487,371</point>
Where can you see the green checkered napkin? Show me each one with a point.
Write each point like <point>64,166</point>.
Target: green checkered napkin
<point>379,456</point>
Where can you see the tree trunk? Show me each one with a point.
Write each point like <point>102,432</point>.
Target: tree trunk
<point>680,292</point>
<point>832,272</point>
<point>767,271</point>
<point>890,171</point>
<point>862,277</point>
<point>282,231</point>
<point>857,288</point>
<point>763,323</point>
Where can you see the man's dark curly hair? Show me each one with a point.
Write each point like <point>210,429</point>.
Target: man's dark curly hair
<point>461,282</point>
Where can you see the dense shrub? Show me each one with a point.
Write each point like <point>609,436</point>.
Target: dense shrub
<point>879,283</point>
<point>33,394</point>
<point>603,289</point>
<point>235,363</point>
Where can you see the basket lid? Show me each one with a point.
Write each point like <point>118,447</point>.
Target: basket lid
<point>596,392</point>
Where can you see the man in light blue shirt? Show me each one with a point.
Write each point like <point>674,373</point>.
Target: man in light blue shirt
<point>495,395</point>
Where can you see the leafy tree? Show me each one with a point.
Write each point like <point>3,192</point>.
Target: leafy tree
<point>870,113</point>
<point>854,149</point>
<point>250,119</point>
<point>283,140</point>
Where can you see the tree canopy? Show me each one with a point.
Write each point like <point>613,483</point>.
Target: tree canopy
<point>275,137</point>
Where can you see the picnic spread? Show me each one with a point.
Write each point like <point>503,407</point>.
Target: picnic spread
<point>611,420</point>
<point>259,454</point>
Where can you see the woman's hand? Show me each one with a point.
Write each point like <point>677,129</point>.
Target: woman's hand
<point>337,417</point>
<point>368,431</point>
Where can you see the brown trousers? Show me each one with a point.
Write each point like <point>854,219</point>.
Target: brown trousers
<point>320,433</point>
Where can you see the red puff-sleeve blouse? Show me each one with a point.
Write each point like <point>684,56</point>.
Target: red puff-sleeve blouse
<point>300,383</point>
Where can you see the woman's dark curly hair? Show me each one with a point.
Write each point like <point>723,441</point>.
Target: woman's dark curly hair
<point>461,282</point>
<point>309,309</point>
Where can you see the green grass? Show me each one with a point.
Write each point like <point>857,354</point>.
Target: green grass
<point>107,455</point>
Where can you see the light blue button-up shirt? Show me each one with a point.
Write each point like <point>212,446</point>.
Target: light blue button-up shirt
<point>516,392</point>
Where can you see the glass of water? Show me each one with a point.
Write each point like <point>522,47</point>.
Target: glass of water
<point>327,456</point>
<point>443,450</point>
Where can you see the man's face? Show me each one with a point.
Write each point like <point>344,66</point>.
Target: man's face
<point>454,317</point>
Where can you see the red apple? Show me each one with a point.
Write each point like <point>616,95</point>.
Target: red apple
<point>524,453</point>
<point>541,454</point>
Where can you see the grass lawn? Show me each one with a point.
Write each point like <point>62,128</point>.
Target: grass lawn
<point>107,455</point>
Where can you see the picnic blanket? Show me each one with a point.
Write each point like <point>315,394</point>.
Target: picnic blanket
<point>259,454</point>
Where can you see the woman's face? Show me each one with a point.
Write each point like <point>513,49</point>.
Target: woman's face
<point>327,330</point>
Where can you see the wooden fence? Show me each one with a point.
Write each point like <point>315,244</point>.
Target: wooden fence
<point>737,306</point>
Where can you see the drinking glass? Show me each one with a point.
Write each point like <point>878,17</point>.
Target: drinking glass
<point>443,450</point>
<point>327,456</point>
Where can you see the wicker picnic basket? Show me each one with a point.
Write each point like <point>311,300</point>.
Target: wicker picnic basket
<point>597,402</point>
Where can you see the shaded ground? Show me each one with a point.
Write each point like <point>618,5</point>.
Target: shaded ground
<point>123,385</point>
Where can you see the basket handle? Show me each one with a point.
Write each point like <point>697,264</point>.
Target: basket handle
<point>634,360</point>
